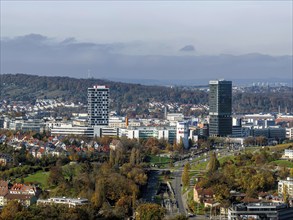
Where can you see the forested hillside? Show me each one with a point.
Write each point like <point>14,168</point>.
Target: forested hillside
<point>30,87</point>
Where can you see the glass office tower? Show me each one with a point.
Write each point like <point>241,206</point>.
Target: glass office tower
<point>220,101</point>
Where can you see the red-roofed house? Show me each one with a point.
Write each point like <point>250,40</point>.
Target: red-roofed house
<point>201,195</point>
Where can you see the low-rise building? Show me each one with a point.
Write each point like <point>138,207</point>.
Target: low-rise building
<point>24,199</point>
<point>268,211</point>
<point>201,195</point>
<point>70,202</point>
<point>3,191</point>
<point>144,132</point>
<point>288,154</point>
<point>288,184</point>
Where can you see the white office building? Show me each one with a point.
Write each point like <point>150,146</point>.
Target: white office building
<point>182,133</point>
<point>98,106</point>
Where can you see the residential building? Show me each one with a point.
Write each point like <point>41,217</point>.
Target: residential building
<point>288,154</point>
<point>175,117</point>
<point>24,194</point>
<point>268,211</point>
<point>98,106</point>
<point>3,191</point>
<point>220,111</point>
<point>288,183</point>
<point>24,199</point>
<point>201,195</point>
<point>19,188</point>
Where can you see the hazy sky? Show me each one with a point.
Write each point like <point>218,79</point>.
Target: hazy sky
<point>158,27</point>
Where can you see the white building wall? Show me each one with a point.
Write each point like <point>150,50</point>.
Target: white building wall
<point>182,133</point>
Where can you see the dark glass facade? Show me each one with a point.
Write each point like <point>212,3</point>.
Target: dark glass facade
<point>220,102</point>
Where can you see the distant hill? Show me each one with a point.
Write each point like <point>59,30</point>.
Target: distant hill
<point>30,87</point>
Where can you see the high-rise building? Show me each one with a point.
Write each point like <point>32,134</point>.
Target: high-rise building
<point>98,106</point>
<point>220,101</point>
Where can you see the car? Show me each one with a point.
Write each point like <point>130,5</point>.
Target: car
<point>190,214</point>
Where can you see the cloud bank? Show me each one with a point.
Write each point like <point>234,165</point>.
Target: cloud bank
<point>41,55</point>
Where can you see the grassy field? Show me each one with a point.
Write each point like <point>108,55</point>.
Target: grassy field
<point>284,163</point>
<point>200,166</point>
<point>158,160</point>
<point>38,177</point>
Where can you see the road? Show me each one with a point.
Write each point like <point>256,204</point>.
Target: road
<point>176,184</point>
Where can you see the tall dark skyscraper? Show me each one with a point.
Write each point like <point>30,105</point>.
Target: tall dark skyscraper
<point>220,101</point>
<point>98,106</point>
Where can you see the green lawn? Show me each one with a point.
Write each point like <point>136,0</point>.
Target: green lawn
<point>200,166</point>
<point>284,163</point>
<point>157,159</point>
<point>226,158</point>
<point>39,177</point>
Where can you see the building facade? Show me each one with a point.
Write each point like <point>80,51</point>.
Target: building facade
<point>220,102</point>
<point>286,185</point>
<point>268,211</point>
<point>98,106</point>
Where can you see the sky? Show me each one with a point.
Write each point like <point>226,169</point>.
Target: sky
<point>148,39</point>
<point>211,27</point>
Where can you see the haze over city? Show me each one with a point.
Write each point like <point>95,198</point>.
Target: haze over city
<point>164,41</point>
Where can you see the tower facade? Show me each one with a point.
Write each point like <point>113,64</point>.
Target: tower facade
<point>98,106</point>
<point>220,101</point>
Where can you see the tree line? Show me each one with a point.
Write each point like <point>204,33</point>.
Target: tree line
<point>126,94</point>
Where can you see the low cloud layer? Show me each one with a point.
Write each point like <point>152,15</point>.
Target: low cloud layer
<point>37,54</point>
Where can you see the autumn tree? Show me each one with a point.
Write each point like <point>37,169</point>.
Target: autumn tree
<point>11,210</point>
<point>213,164</point>
<point>285,194</point>
<point>99,197</point>
<point>132,159</point>
<point>185,175</point>
<point>55,176</point>
<point>150,211</point>
<point>112,158</point>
